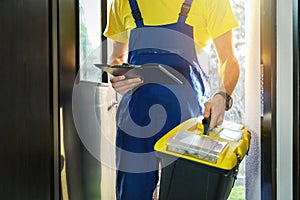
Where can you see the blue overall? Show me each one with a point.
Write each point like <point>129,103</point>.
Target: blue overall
<point>149,111</point>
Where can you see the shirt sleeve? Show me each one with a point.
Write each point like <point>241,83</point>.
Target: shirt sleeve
<point>220,18</point>
<point>115,29</point>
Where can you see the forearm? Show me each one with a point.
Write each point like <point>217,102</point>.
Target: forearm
<point>118,53</point>
<point>229,72</point>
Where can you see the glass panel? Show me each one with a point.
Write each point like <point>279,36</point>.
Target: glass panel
<point>92,51</point>
<point>237,112</point>
<point>90,40</point>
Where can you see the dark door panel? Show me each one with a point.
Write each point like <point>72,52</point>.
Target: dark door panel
<point>268,121</point>
<point>26,140</point>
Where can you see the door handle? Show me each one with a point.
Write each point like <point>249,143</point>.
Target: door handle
<point>112,105</point>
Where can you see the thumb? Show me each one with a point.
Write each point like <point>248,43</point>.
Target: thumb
<point>207,109</point>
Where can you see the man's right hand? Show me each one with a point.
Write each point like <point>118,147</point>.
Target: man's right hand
<point>122,85</point>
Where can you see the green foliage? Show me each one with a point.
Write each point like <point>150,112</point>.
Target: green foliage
<point>237,193</point>
<point>85,45</point>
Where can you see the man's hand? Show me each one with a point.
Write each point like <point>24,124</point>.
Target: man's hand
<point>215,108</point>
<point>122,85</point>
<point>119,56</point>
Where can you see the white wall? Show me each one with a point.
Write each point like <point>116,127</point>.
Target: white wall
<point>284,99</point>
<point>252,99</point>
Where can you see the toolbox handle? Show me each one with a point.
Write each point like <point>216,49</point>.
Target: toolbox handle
<point>206,122</point>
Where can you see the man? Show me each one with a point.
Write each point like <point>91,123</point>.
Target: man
<point>169,25</point>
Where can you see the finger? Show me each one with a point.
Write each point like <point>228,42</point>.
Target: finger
<point>213,115</point>
<point>207,109</point>
<point>123,87</point>
<point>220,119</point>
<point>116,78</point>
<point>213,121</point>
<point>126,88</point>
<point>220,122</point>
<point>121,83</point>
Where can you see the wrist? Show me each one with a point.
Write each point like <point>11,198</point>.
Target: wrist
<point>228,99</point>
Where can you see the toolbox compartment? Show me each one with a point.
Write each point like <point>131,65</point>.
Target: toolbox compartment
<point>186,176</point>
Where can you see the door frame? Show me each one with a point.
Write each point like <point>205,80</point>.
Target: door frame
<point>268,121</point>
<point>296,83</point>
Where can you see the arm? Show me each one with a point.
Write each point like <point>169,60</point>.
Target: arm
<point>229,67</point>
<point>118,53</point>
<point>118,56</point>
<point>228,74</point>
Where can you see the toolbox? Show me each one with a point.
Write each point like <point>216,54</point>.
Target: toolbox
<point>198,166</point>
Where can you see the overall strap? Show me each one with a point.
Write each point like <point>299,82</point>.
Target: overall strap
<point>136,13</point>
<point>185,9</point>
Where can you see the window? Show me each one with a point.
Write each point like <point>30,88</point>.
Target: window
<point>90,40</point>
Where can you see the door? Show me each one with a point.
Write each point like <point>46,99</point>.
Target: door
<point>26,103</point>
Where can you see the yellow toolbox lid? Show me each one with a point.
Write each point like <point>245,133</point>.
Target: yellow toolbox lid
<point>235,137</point>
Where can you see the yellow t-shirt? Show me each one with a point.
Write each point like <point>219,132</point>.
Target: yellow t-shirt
<point>210,18</point>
